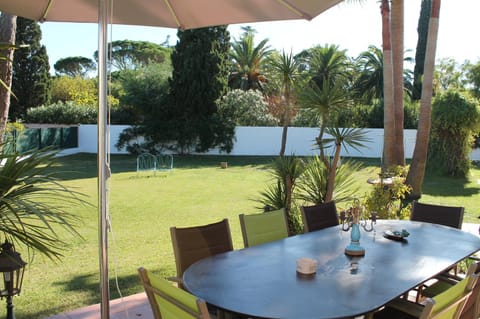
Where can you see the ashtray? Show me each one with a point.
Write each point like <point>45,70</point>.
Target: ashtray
<point>306,266</point>
<point>396,235</point>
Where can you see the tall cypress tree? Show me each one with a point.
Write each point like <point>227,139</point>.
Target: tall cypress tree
<point>199,78</point>
<point>422,30</point>
<point>31,78</point>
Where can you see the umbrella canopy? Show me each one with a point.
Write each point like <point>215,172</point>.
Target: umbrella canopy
<point>185,14</point>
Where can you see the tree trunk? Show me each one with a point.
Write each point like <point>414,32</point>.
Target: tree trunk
<point>286,121</point>
<point>397,60</point>
<point>416,173</point>
<point>284,139</point>
<point>388,97</point>
<point>8,25</point>
<point>332,173</point>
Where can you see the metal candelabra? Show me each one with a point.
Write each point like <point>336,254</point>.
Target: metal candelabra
<point>352,219</point>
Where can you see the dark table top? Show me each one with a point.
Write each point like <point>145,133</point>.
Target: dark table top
<point>262,281</point>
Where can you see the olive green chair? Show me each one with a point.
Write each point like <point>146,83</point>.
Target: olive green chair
<point>447,305</point>
<point>263,227</point>
<point>170,302</point>
<point>472,306</point>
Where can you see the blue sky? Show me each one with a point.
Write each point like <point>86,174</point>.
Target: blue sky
<point>353,27</point>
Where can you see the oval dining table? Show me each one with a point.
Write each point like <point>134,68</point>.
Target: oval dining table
<point>262,281</point>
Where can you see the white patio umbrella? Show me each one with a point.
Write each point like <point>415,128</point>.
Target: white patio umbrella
<point>183,14</point>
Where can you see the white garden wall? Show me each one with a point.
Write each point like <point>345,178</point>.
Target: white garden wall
<point>261,141</point>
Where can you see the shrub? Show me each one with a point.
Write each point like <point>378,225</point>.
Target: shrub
<point>246,108</point>
<point>386,197</point>
<point>76,89</point>
<point>62,113</point>
<point>455,120</point>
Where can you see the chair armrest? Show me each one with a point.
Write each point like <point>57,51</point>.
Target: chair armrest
<point>411,308</point>
<point>178,280</point>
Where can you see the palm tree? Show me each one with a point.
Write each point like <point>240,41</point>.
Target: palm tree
<point>248,60</point>
<point>285,66</point>
<point>397,28</point>
<point>416,173</point>
<point>392,22</point>
<point>369,84</point>
<point>388,91</point>
<point>326,91</point>
<point>8,25</point>
<point>326,88</point>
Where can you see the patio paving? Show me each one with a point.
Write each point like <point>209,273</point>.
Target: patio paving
<point>130,307</point>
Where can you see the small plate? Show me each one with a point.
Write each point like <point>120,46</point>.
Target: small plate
<point>394,235</point>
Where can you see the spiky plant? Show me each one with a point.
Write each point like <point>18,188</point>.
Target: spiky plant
<point>34,206</point>
<point>312,185</point>
<point>286,170</point>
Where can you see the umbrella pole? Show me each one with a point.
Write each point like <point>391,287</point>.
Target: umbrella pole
<point>103,168</point>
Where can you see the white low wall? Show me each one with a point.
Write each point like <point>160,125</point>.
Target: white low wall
<point>262,141</point>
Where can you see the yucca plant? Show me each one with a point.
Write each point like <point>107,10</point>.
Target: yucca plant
<point>286,170</point>
<point>340,137</point>
<point>312,185</point>
<point>34,206</point>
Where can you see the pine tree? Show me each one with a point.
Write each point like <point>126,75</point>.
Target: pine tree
<point>31,78</point>
<point>199,78</point>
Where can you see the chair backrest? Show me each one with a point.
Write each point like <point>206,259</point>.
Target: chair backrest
<point>191,244</point>
<point>449,304</point>
<point>437,214</point>
<point>319,216</point>
<point>472,306</point>
<point>263,227</point>
<point>170,302</point>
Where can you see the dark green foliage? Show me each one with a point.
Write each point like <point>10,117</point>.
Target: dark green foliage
<point>190,121</point>
<point>473,75</point>
<point>185,118</point>
<point>371,116</point>
<point>129,55</point>
<point>144,93</point>
<point>74,66</point>
<point>62,113</point>
<point>369,83</point>
<point>422,30</point>
<point>455,119</point>
<point>31,79</point>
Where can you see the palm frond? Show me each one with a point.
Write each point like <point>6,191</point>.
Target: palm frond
<point>34,206</point>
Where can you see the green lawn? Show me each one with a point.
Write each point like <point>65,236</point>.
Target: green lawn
<point>143,208</point>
